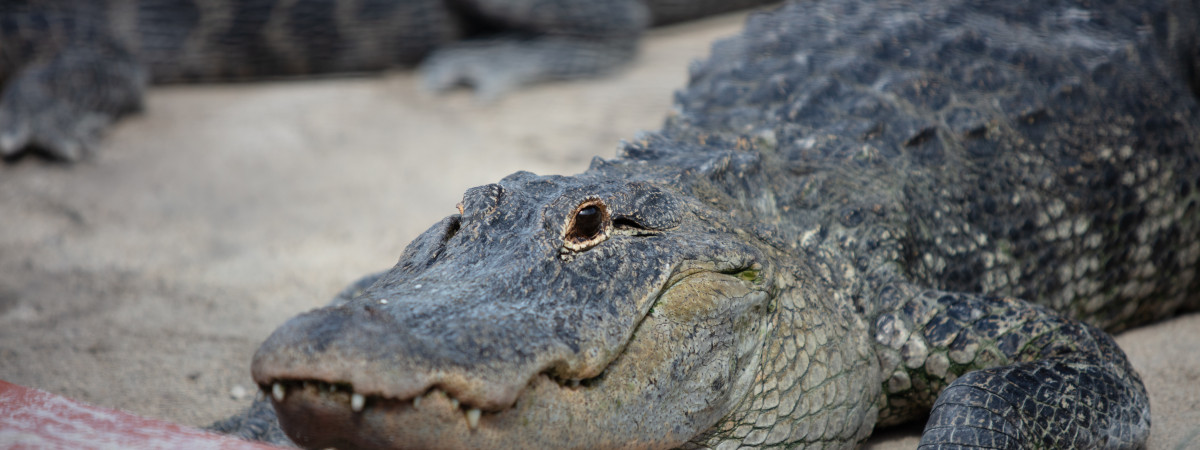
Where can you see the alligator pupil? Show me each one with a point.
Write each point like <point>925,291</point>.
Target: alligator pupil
<point>587,223</point>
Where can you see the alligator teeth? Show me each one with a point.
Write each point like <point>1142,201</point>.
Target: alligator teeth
<point>278,392</point>
<point>417,401</point>
<point>574,382</point>
<point>454,403</point>
<point>473,418</point>
<point>356,402</point>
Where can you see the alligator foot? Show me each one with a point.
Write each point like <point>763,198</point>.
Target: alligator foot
<point>60,107</point>
<point>1015,375</point>
<point>497,66</point>
<point>256,423</point>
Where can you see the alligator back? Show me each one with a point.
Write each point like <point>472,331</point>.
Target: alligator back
<point>1041,151</point>
<point>189,40</point>
<point>253,38</point>
<point>673,11</point>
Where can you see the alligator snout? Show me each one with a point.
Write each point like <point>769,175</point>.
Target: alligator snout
<point>381,365</point>
<point>411,347</point>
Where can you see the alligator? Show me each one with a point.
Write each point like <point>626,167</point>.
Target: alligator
<point>71,67</point>
<point>860,214</point>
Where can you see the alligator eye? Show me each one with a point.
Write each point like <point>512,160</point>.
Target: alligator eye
<point>587,226</point>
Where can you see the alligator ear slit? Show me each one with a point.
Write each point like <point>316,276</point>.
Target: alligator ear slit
<point>587,226</point>
<point>623,222</point>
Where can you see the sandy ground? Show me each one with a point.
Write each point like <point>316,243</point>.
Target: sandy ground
<point>145,278</point>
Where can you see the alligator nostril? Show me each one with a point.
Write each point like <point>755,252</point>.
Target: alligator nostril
<point>453,226</point>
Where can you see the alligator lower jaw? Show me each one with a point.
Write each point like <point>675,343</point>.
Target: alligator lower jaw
<point>319,415</point>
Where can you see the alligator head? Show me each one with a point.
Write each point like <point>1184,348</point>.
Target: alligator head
<point>583,311</point>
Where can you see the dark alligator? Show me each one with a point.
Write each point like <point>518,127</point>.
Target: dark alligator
<point>861,213</point>
<point>71,67</point>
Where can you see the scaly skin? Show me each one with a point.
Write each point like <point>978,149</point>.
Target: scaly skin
<point>68,68</point>
<point>831,234</point>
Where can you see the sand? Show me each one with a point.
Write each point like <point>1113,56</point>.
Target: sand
<point>144,279</point>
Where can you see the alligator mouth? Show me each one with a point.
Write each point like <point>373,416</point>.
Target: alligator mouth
<point>322,414</point>
<point>343,393</point>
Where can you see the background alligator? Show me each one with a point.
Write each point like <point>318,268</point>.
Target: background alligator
<point>70,67</point>
<point>832,234</point>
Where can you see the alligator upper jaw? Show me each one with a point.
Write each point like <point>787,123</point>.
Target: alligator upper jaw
<point>349,377</point>
<point>687,365</point>
<point>395,368</point>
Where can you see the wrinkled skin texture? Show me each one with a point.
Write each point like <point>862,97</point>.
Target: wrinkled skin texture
<point>862,213</point>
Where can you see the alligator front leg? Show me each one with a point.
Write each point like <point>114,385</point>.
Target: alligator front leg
<point>255,423</point>
<point>1055,403</point>
<point>1005,374</point>
<point>545,41</point>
